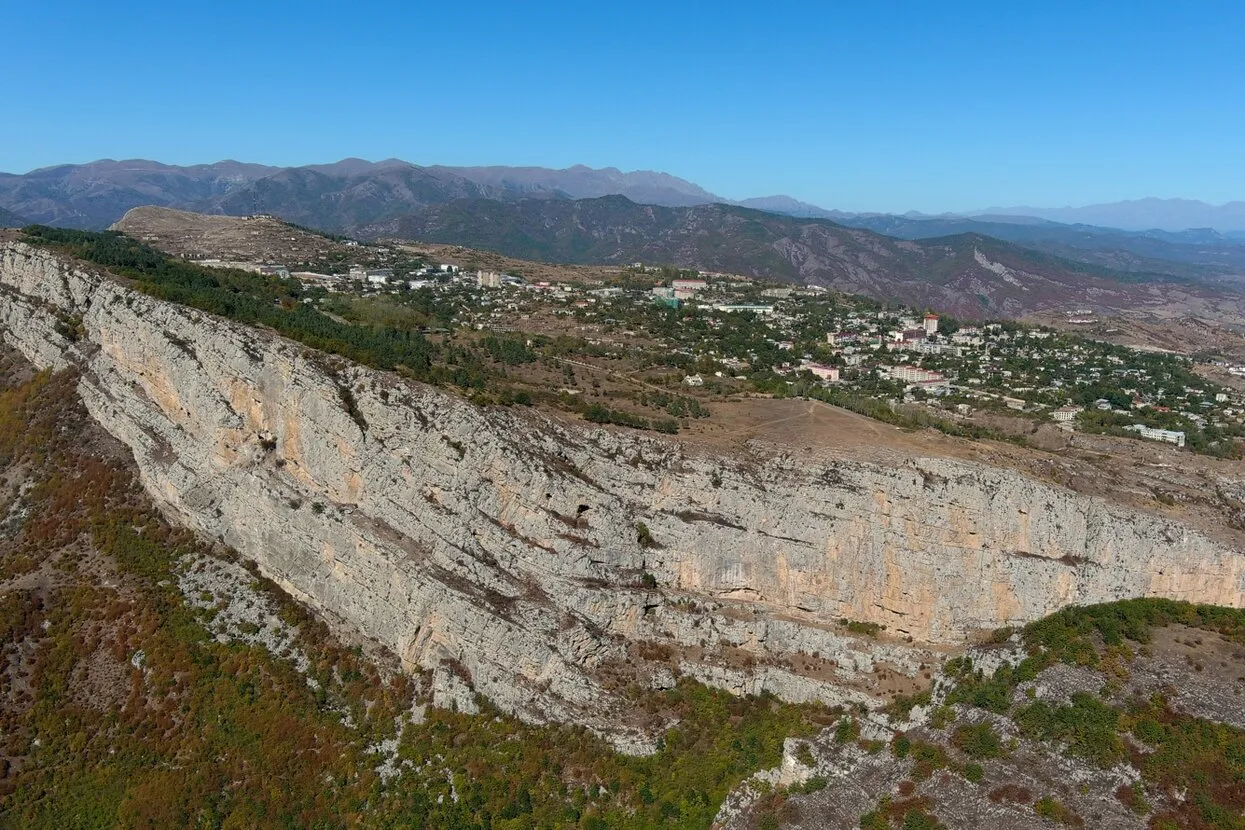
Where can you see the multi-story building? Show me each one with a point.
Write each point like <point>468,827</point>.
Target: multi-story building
<point>755,309</point>
<point>915,376</point>
<point>686,289</point>
<point>826,373</point>
<point>1169,436</point>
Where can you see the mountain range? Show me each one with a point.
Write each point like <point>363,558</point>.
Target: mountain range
<point>967,274</point>
<point>96,194</point>
<point>354,195</point>
<point>1138,214</point>
<point>1196,254</point>
<point>993,264</point>
<point>340,196</point>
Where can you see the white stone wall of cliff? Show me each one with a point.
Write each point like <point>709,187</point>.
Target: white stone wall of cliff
<point>506,542</point>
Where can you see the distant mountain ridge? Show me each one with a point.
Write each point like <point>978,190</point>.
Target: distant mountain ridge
<point>791,207</point>
<point>580,182</point>
<point>97,194</point>
<point>967,274</point>
<point>1139,214</point>
<point>1201,253</point>
<point>336,196</point>
<point>345,197</point>
<point>532,212</point>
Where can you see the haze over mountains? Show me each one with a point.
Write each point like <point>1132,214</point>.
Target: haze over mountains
<point>1139,214</point>
<point>1195,253</point>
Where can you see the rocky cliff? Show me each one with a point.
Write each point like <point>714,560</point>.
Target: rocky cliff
<point>544,564</point>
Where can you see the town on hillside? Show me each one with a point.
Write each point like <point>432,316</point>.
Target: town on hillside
<point>653,346</point>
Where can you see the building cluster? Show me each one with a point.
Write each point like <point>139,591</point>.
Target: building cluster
<point>733,330</point>
<point>1076,382</point>
<point>960,369</point>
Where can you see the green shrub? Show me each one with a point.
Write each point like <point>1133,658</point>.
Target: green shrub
<point>846,730</point>
<point>814,784</point>
<point>1049,808</point>
<point>1088,726</point>
<point>901,707</point>
<point>927,759</point>
<point>978,741</point>
<point>867,629</point>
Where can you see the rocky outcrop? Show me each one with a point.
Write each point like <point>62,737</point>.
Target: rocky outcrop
<point>517,554</point>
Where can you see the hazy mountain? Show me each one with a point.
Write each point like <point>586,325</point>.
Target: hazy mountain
<point>580,182</point>
<point>791,207</point>
<point>349,194</point>
<point>97,194</point>
<point>968,274</point>
<point>1140,214</point>
<point>1195,253</point>
<point>354,166</point>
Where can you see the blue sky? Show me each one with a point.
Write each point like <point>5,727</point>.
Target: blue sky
<point>860,106</point>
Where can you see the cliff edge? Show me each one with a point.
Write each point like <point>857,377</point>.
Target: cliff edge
<point>546,564</point>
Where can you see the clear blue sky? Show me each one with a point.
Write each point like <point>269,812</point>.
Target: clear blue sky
<point>862,106</point>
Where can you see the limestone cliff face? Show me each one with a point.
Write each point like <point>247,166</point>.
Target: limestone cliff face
<point>501,547</point>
